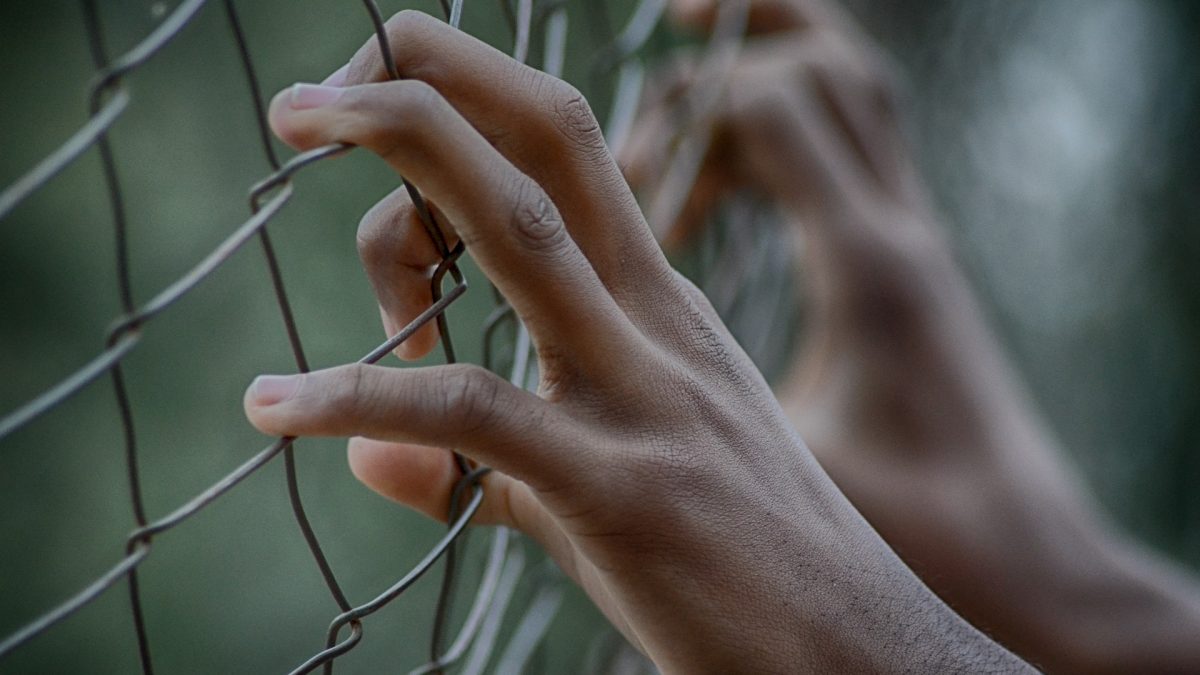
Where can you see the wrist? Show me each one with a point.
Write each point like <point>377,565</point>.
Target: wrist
<point>800,604</point>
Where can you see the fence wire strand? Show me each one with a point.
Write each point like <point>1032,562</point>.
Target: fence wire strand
<point>108,99</point>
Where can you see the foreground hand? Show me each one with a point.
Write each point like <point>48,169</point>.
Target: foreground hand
<point>653,464</point>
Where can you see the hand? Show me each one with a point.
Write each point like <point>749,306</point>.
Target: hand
<point>807,118</point>
<point>653,464</point>
<point>900,388</point>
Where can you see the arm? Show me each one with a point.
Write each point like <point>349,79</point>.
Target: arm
<point>654,464</point>
<point>901,389</point>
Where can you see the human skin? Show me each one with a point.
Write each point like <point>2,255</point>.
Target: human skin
<point>653,464</point>
<point>900,387</point>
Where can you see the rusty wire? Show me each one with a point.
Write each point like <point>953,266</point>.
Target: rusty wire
<point>108,100</point>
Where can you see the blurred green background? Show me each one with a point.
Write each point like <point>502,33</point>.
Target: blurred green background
<point>1058,135</point>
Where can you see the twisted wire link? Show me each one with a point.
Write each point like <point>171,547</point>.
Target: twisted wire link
<point>108,99</point>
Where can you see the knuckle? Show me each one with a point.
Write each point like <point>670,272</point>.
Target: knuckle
<point>349,390</point>
<point>470,397</point>
<point>535,221</point>
<point>410,39</point>
<point>575,121</point>
<point>413,101</point>
<point>373,239</point>
<point>408,26</point>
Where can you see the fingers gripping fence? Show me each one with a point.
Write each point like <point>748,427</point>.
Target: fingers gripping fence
<point>473,645</point>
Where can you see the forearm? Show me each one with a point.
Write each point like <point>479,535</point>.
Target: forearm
<point>1102,603</point>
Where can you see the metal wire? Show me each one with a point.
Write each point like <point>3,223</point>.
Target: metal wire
<point>107,102</point>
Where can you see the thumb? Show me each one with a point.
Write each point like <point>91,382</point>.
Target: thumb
<point>459,406</point>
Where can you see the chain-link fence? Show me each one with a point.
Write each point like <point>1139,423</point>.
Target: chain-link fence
<point>950,47</point>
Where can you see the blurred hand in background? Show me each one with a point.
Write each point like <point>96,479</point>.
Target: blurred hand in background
<point>900,388</point>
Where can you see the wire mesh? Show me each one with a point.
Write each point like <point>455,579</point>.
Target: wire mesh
<point>108,100</point>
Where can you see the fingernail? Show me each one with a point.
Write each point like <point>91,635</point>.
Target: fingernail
<point>272,389</point>
<point>338,78</point>
<point>308,96</point>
